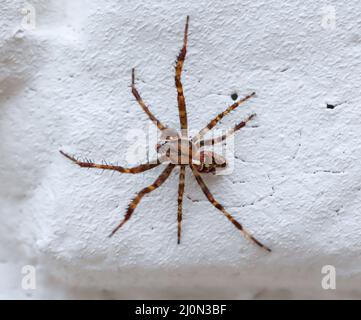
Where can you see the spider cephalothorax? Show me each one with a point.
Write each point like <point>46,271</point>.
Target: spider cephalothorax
<point>178,149</point>
<point>181,150</point>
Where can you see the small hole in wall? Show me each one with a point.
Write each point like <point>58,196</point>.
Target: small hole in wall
<point>330,106</point>
<point>234,96</point>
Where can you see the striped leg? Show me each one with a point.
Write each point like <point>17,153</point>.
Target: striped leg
<point>134,170</point>
<point>216,204</point>
<point>213,141</point>
<point>178,83</point>
<point>157,183</point>
<point>220,116</point>
<point>144,107</point>
<point>180,199</point>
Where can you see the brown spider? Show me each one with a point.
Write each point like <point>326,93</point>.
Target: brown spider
<point>180,150</point>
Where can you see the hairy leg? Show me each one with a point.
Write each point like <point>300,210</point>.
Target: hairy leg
<point>213,141</point>
<point>220,116</point>
<point>216,204</point>
<point>134,170</point>
<point>180,199</point>
<point>157,183</point>
<point>144,107</point>
<point>178,83</point>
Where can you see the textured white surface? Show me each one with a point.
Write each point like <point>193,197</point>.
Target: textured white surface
<point>296,183</point>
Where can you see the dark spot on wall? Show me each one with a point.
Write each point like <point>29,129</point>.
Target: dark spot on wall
<point>234,96</point>
<point>330,106</point>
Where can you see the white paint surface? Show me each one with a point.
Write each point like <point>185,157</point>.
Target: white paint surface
<point>297,178</point>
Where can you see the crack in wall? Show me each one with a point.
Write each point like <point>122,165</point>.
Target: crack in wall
<point>326,171</point>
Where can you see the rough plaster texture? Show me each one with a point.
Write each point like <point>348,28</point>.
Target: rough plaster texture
<point>297,178</point>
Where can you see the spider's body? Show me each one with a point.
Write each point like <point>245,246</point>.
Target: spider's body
<point>178,149</point>
<point>181,150</point>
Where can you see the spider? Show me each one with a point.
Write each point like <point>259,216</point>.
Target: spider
<point>178,149</point>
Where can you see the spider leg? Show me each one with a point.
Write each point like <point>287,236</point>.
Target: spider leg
<point>213,141</point>
<point>220,116</point>
<point>134,170</point>
<point>216,204</point>
<point>180,199</point>
<point>142,104</point>
<point>178,83</point>
<point>157,183</point>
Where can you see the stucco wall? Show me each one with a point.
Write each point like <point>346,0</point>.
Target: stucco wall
<point>65,84</point>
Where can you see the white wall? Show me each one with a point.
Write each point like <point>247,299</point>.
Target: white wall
<point>296,183</point>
